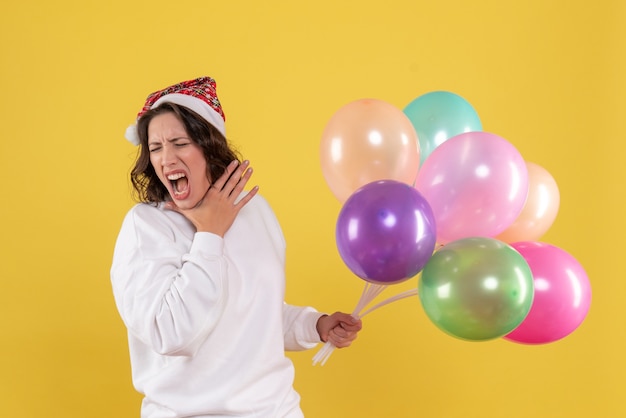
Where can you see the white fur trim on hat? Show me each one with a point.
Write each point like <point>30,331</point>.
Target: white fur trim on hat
<point>197,105</point>
<point>131,134</point>
<point>190,102</point>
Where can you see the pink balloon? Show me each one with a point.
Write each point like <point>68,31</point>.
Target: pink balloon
<point>476,184</point>
<point>562,294</point>
<point>365,141</point>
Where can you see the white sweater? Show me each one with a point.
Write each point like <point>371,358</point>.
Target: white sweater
<point>206,318</point>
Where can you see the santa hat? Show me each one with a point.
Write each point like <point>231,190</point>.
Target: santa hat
<point>199,95</point>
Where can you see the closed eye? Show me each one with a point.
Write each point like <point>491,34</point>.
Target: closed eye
<point>180,141</point>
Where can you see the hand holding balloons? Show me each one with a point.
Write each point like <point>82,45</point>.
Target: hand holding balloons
<point>429,174</point>
<point>385,234</point>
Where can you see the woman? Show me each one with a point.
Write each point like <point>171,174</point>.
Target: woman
<point>198,272</point>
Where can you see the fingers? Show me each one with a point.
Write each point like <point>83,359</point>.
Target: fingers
<point>221,181</point>
<point>237,181</point>
<point>347,321</point>
<point>234,179</point>
<point>341,338</point>
<point>248,196</point>
<point>344,330</point>
<point>216,211</point>
<point>351,323</point>
<point>352,327</point>
<point>171,206</point>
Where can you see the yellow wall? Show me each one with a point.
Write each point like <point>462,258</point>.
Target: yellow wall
<point>546,75</point>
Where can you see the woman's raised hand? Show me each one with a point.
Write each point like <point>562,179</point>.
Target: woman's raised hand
<point>219,207</point>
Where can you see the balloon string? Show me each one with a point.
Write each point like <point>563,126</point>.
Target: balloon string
<point>405,294</point>
<point>370,291</point>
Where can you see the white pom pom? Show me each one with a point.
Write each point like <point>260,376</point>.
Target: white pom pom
<point>131,134</point>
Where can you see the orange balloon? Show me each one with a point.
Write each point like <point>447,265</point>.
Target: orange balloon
<point>368,140</point>
<point>540,209</point>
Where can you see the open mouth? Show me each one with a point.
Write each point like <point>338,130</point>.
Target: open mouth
<point>179,182</point>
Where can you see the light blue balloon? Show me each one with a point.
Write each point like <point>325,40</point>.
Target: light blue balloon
<point>438,116</point>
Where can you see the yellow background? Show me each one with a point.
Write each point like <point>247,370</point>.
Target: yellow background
<point>546,75</point>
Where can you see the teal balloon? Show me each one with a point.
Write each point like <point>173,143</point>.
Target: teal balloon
<point>476,289</point>
<point>438,116</point>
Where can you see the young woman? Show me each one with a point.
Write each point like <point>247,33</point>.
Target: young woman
<point>198,272</point>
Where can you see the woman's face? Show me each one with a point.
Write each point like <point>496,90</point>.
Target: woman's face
<point>178,161</point>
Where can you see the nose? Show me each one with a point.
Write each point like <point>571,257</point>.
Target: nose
<point>168,156</point>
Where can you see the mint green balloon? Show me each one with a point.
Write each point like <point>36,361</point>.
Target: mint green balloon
<point>476,289</point>
<point>438,116</point>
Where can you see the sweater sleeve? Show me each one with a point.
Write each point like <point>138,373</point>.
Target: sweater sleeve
<point>299,323</point>
<point>300,327</point>
<point>170,294</point>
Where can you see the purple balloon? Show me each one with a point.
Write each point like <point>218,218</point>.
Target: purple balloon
<point>386,232</point>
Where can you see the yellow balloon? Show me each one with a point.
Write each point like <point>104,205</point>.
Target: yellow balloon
<point>368,140</point>
<point>540,209</point>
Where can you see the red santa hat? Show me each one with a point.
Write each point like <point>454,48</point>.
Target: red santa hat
<point>199,95</point>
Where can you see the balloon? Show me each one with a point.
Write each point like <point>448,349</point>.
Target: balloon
<point>438,116</point>
<point>365,141</point>
<point>385,232</point>
<point>476,288</point>
<point>540,209</point>
<point>476,184</point>
<point>562,294</point>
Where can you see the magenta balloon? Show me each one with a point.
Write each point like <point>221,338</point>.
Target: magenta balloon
<point>562,294</point>
<point>476,184</point>
<point>386,232</point>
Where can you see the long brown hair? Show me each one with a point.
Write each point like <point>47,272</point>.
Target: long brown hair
<point>217,151</point>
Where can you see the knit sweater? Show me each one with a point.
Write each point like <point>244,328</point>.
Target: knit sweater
<point>206,318</point>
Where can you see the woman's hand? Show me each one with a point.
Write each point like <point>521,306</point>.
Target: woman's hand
<point>339,328</point>
<point>218,209</point>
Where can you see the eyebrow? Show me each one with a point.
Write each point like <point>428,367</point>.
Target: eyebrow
<point>176,138</point>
